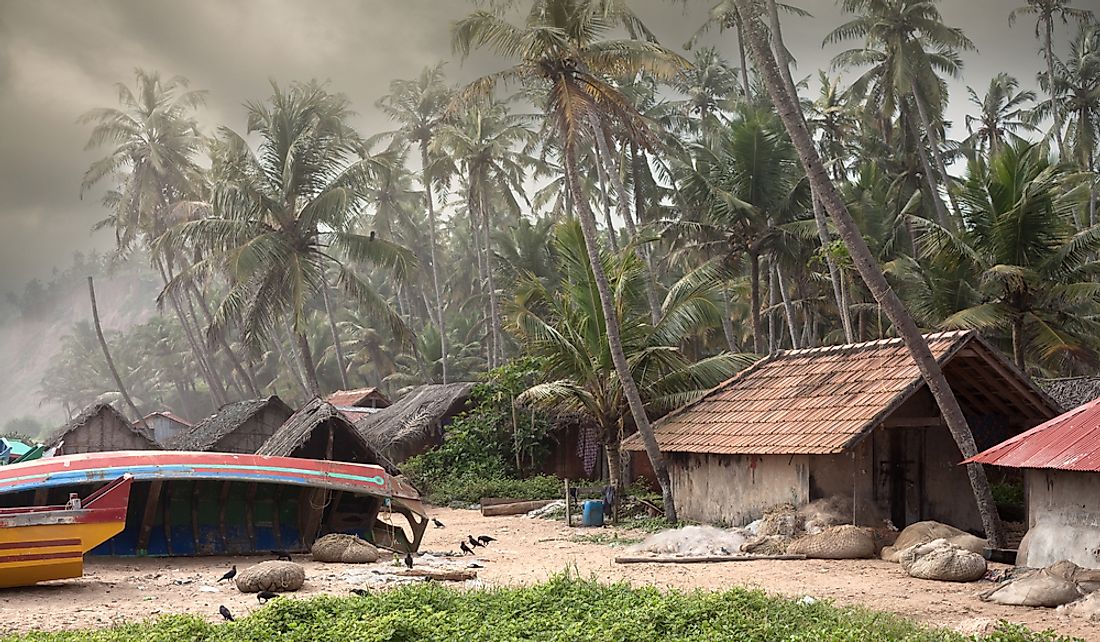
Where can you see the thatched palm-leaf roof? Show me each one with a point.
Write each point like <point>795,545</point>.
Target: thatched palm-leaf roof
<point>1071,392</point>
<point>415,422</point>
<point>203,435</point>
<point>299,437</point>
<point>92,412</point>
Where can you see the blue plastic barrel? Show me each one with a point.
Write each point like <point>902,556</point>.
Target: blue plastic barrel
<point>593,512</point>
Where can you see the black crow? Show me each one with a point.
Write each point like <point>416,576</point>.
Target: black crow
<point>465,549</point>
<point>372,235</point>
<point>225,613</point>
<point>485,539</point>
<point>282,555</point>
<point>408,560</point>
<point>264,596</point>
<point>230,574</point>
<point>473,542</point>
<point>437,523</point>
<point>360,592</point>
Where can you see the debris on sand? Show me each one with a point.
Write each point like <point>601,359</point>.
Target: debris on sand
<point>693,541</point>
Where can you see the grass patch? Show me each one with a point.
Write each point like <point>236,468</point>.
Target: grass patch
<point>607,539</point>
<point>564,609</point>
<point>470,489</point>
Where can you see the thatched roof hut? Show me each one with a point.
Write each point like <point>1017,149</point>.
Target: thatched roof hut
<point>238,427</point>
<point>415,423</point>
<point>1071,392</point>
<point>319,431</point>
<point>99,428</point>
<point>359,398</point>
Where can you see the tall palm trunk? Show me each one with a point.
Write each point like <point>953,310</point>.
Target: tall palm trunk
<point>614,340</point>
<point>475,234</point>
<point>605,201</point>
<point>293,365</point>
<point>110,361</point>
<point>440,321</point>
<point>754,303</point>
<point>727,320</point>
<point>201,359</point>
<point>636,161</point>
<point>245,376</point>
<point>932,131</point>
<point>494,304</point>
<point>1018,342</point>
<point>1048,50</point>
<point>868,268</point>
<point>930,181</point>
<point>309,368</point>
<point>340,361</point>
<point>788,306</point>
<point>784,61</point>
<point>744,60</point>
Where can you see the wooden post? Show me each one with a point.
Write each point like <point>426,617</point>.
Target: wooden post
<point>568,506</point>
<point>151,503</point>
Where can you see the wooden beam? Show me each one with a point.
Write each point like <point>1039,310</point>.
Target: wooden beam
<point>150,514</point>
<point>704,560</point>
<point>249,497</point>
<point>166,506</point>
<point>275,497</point>
<point>196,534</point>
<point>223,498</point>
<point>1012,378</point>
<point>914,422</point>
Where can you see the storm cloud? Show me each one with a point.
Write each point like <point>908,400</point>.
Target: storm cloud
<point>59,58</point>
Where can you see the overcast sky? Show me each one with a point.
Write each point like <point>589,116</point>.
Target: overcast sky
<point>59,58</point>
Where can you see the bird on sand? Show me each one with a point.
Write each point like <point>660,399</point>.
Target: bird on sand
<point>408,560</point>
<point>465,549</point>
<point>264,596</point>
<point>437,523</point>
<point>230,574</point>
<point>225,613</point>
<point>360,592</point>
<point>372,235</point>
<point>282,555</point>
<point>473,542</point>
<point>485,539</point>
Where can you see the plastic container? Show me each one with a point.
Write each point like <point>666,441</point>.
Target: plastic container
<point>593,513</point>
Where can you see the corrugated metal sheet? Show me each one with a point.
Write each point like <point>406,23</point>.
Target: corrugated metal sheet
<point>814,401</point>
<point>1067,442</point>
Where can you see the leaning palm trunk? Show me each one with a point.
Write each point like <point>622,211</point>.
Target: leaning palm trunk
<point>636,161</point>
<point>248,380</point>
<point>309,368</point>
<point>605,203</point>
<point>788,306</point>
<point>868,268</point>
<point>335,337</point>
<point>201,358</point>
<point>1055,112</point>
<point>440,322</point>
<point>942,216</point>
<point>784,61</point>
<point>614,341</point>
<point>934,142</point>
<point>107,357</point>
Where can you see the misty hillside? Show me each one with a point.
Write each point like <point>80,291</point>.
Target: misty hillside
<point>34,323</point>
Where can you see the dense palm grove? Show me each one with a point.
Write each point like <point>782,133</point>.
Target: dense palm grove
<point>631,213</point>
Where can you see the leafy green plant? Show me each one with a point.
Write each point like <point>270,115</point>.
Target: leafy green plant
<point>563,609</point>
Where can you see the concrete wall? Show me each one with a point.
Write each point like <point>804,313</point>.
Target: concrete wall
<point>736,489</point>
<point>849,476</point>
<point>102,433</point>
<point>948,497</point>
<point>253,433</point>
<point>1063,518</point>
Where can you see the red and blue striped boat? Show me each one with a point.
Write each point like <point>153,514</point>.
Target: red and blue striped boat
<point>202,503</point>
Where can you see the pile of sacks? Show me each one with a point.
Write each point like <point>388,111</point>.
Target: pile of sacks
<point>1062,584</point>
<point>936,551</point>
<point>818,530</point>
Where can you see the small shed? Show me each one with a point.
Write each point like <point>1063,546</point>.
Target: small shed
<point>416,422</point>
<point>359,398</point>
<point>320,431</point>
<point>165,425</point>
<point>1061,464</point>
<point>854,422</point>
<point>238,427</point>
<point>100,428</point>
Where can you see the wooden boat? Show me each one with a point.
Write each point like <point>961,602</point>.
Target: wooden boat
<point>40,543</point>
<point>201,503</point>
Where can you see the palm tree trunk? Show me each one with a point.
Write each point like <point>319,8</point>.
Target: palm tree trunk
<point>234,361</point>
<point>926,168</point>
<point>440,321</point>
<point>637,160</point>
<point>932,131</point>
<point>754,303</point>
<point>1018,342</point>
<point>773,308</point>
<point>744,60</point>
<point>784,61</point>
<point>313,386</point>
<point>727,320</point>
<point>788,307</point>
<point>614,341</point>
<point>110,362</point>
<point>340,361</point>
<point>494,304</point>
<point>201,359</point>
<point>605,202</point>
<point>475,234</point>
<point>293,365</point>
<point>1048,50</point>
<point>869,269</point>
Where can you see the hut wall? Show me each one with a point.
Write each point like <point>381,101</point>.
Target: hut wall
<point>947,493</point>
<point>253,433</point>
<point>849,477</point>
<point>164,428</point>
<point>101,433</point>
<point>1063,518</point>
<point>736,489</point>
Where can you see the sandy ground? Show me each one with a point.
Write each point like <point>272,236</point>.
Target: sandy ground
<point>528,550</point>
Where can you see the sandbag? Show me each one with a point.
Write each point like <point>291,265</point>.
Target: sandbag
<point>1086,608</point>
<point>767,545</point>
<point>943,561</point>
<point>344,549</point>
<point>276,576</point>
<point>782,520</point>
<point>843,542</point>
<point>925,532</point>
<point>1035,589</point>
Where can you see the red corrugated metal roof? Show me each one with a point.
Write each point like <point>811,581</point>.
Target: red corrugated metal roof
<point>816,401</point>
<point>1067,442</point>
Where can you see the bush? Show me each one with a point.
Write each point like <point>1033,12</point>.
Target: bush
<point>564,609</point>
<point>470,489</point>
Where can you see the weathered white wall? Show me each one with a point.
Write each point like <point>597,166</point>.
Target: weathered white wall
<point>164,428</point>
<point>1063,518</point>
<point>736,489</point>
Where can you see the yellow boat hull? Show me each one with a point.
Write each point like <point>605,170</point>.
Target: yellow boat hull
<point>32,554</point>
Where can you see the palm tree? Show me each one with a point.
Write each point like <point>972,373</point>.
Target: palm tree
<point>905,44</point>
<point>709,87</point>
<point>281,215</point>
<point>1020,264</point>
<point>1045,12</point>
<point>1002,112</point>
<point>559,47</point>
<point>420,105</point>
<point>756,32</point>
<point>565,327</point>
